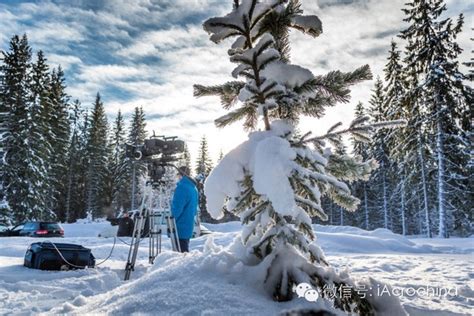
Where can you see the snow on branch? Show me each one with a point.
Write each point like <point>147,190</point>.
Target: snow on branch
<point>309,24</point>
<point>243,20</point>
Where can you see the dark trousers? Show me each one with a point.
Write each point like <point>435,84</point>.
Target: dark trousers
<point>184,245</point>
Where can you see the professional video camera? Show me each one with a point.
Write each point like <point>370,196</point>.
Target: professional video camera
<point>157,148</point>
<point>158,152</point>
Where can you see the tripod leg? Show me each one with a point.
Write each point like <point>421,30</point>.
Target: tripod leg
<point>173,233</point>
<point>158,244</point>
<point>129,266</point>
<point>151,239</point>
<point>159,232</point>
<point>135,244</point>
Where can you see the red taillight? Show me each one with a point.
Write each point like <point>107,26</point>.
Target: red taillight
<point>41,232</point>
<point>61,232</point>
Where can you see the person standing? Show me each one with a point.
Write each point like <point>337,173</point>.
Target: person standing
<point>184,207</point>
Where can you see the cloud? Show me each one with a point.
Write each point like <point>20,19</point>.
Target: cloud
<point>65,61</point>
<point>149,53</point>
<point>50,33</point>
<point>155,42</point>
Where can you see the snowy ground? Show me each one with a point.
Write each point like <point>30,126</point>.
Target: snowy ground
<point>210,281</point>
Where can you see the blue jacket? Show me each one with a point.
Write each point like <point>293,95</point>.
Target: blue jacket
<point>184,207</point>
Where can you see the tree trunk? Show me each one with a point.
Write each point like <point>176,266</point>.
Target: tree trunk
<point>402,206</point>
<point>425,191</point>
<point>341,210</point>
<point>366,209</point>
<point>442,232</point>
<point>385,204</point>
<point>331,214</point>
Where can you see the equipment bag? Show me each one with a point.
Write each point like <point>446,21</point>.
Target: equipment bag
<point>58,256</point>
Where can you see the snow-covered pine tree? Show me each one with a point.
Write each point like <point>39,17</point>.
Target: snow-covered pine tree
<point>379,150</point>
<point>275,179</point>
<point>136,136</point>
<point>97,159</point>
<point>6,216</point>
<point>186,158</point>
<point>24,171</point>
<point>203,162</point>
<point>203,168</point>
<point>119,166</point>
<point>344,218</point>
<point>79,195</point>
<point>39,115</point>
<point>413,142</point>
<point>395,109</point>
<point>433,56</point>
<point>59,126</point>
<point>73,159</point>
<point>361,190</point>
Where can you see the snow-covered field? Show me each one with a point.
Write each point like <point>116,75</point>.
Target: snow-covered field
<point>211,281</point>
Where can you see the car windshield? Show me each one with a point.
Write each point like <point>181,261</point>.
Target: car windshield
<point>19,227</point>
<point>50,226</point>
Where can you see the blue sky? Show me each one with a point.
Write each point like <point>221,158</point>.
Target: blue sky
<point>151,52</point>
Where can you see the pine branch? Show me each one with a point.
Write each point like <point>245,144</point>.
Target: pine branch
<point>227,92</point>
<point>358,126</point>
<point>335,84</point>
<point>238,114</point>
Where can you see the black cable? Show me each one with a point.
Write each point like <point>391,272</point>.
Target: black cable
<point>81,267</point>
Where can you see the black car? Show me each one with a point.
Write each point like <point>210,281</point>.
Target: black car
<point>12,231</point>
<point>42,229</point>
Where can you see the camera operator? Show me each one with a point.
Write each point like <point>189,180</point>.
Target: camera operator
<point>184,207</point>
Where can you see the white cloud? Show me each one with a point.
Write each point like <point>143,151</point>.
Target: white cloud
<point>55,33</point>
<point>155,42</point>
<point>108,74</point>
<point>65,61</point>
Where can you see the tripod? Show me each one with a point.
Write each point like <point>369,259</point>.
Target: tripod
<point>156,220</point>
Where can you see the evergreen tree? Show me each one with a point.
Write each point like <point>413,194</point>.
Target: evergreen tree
<point>361,149</point>
<point>395,91</point>
<point>81,169</point>
<point>203,168</point>
<point>414,145</point>
<point>97,160</point>
<point>119,166</point>
<point>203,163</point>
<point>186,159</point>
<point>433,54</point>
<point>136,136</point>
<point>59,137</point>
<point>24,170</point>
<point>39,116</point>
<point>74,166</point>
<point>380,152</point>
<point>275,180</point>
